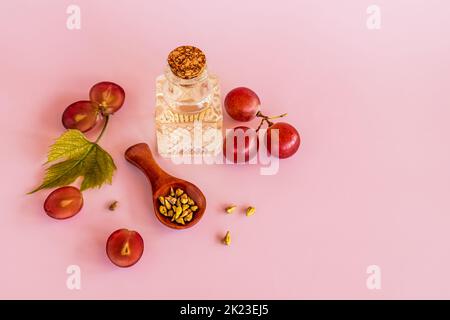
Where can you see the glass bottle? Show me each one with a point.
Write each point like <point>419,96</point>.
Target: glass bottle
<point>188,113</point>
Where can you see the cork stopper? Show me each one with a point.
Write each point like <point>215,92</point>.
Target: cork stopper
<point>187,62</point>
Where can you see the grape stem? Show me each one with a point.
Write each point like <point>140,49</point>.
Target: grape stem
<point>266,119</point>
<point>105,124</point>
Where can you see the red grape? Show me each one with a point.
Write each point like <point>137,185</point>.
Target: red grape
<point>250,146</point>
<point>108,95</point>
<point>64,202</point>
<point>81,115</point>
<point>289,139</point>
<point>242,104</point>
<point>124,247</point>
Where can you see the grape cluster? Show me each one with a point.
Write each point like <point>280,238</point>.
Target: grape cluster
<point>242,104</point>
<point>105,98</point>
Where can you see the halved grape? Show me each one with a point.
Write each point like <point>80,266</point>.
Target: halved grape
<point>81,115</point>
<point>108,95</point>
<point>64,202</point>
<point>124,247</point>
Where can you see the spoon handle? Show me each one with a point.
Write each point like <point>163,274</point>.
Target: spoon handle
<point>141,156</point>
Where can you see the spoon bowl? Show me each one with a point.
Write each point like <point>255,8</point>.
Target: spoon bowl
<point>161,182</point>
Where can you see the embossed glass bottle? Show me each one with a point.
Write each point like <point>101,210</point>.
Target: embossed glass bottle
<point>188,106</point>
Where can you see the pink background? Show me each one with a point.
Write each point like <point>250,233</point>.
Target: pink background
<point>369,185</point>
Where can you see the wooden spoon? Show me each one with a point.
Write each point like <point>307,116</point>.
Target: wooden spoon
<point>141,156</point>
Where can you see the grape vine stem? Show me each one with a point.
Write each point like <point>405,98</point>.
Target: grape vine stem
<point>267,119</point>
<point>105,124</point>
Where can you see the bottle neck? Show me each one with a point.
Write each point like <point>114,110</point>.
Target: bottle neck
<point>187,95</point>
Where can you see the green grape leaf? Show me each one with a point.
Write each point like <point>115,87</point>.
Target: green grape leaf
<point>78,157</point>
